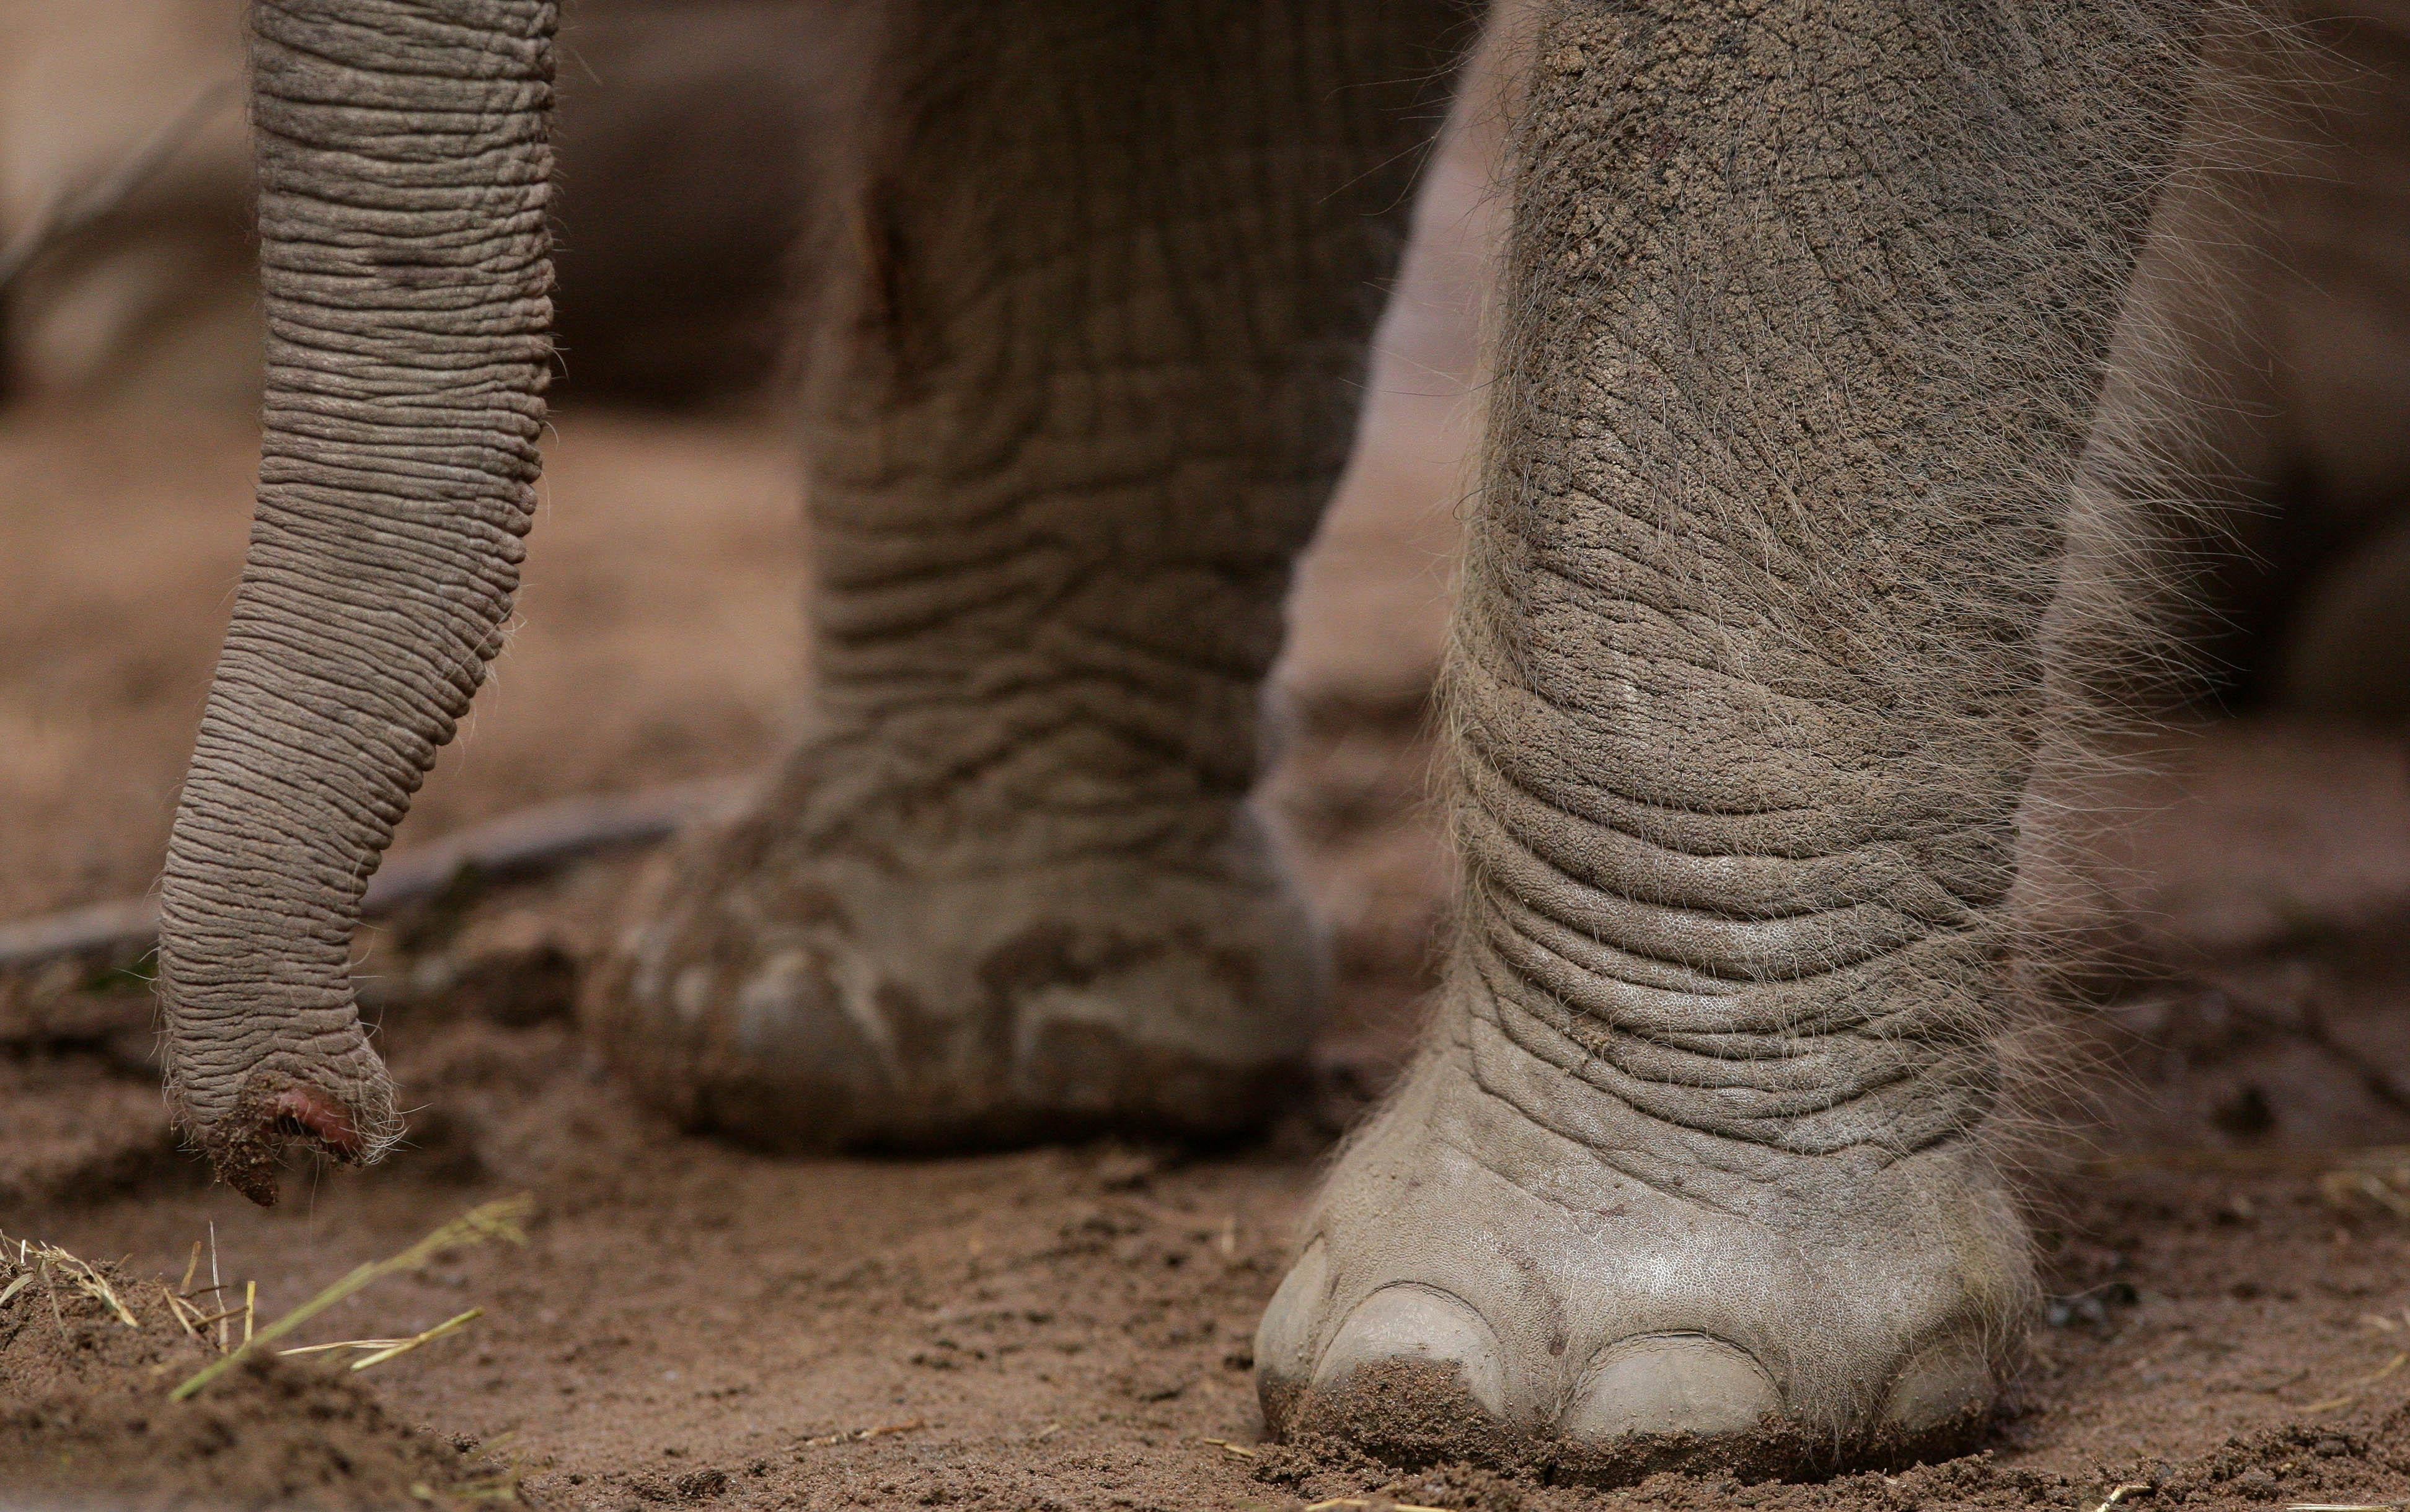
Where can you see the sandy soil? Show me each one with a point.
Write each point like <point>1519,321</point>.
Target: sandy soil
<point>688,1324</point>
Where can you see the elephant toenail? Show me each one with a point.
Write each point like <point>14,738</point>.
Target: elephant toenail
<point>1947,1381</point>
<point>1409,1324</point>
<point>1670,1383</point>
<point>1287,1331</point>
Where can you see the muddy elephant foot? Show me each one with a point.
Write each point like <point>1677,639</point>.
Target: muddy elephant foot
<point>852,969</point>
<point>1555,1289</point>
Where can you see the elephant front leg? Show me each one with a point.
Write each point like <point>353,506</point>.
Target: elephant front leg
<point>1090,309</point>
<point>1808,307</point>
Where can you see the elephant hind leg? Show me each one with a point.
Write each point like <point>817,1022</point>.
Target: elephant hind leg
<point>2238,541</point>
<point>1080,361</point>
<point>1808,307</point>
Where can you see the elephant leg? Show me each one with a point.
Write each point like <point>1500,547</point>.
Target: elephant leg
<point>1080,356</point>
<point>1807,308</point>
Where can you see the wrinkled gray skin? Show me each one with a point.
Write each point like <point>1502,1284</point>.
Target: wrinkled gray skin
<point>1767,618</point>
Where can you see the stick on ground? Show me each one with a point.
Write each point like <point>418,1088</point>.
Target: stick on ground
<point>521,844</point>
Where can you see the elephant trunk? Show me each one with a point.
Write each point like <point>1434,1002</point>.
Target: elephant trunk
<point>403,173</point>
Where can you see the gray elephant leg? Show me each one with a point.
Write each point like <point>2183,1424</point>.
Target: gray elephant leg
<point>1080,365</point>
<point>1807,310</point>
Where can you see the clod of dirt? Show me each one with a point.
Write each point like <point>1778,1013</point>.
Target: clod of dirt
<point>86,1418</point>
<point>1463,1487</point>
<point>700,1485</point>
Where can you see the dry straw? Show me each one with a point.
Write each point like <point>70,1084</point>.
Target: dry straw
<point>47,1262</point>
<point>501,1219</point>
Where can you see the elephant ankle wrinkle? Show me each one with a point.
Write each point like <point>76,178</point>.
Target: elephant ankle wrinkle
<point>1810,1077</point>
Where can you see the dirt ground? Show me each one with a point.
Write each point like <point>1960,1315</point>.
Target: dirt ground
<point>688,1324</point>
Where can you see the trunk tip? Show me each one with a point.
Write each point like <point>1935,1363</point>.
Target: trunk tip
<point>276,1111</point>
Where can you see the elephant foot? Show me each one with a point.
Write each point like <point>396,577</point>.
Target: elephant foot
<point>1487,1283</point>
<point>848,969</point>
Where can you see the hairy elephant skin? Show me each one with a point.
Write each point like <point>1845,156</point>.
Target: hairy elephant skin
<point>1846,398</point>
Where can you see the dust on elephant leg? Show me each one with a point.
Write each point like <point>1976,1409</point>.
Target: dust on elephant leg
<point>1081,360</point>
<point>1808,308</point>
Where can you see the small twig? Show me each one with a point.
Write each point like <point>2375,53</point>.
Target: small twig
<point>2340,1186</point>
<point>1334,1503</point>
<point>525,844</point>
<point>2303,1017</point>
<point>1229,1449</point>
<point>2118,1493</point>
<point>2352,1388</point>
<point>855,1435</point>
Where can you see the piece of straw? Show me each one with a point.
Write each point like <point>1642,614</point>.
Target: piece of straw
<point>856,1435</point>
<point>88,1281</point>
<point>449,1325</point>
<point>385,1349</point>
<point>493,1220</point>
<point>217,1287</point>
<point>184,1313</point>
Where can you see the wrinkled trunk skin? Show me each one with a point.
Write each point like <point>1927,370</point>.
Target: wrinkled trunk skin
<point>402,179</point>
